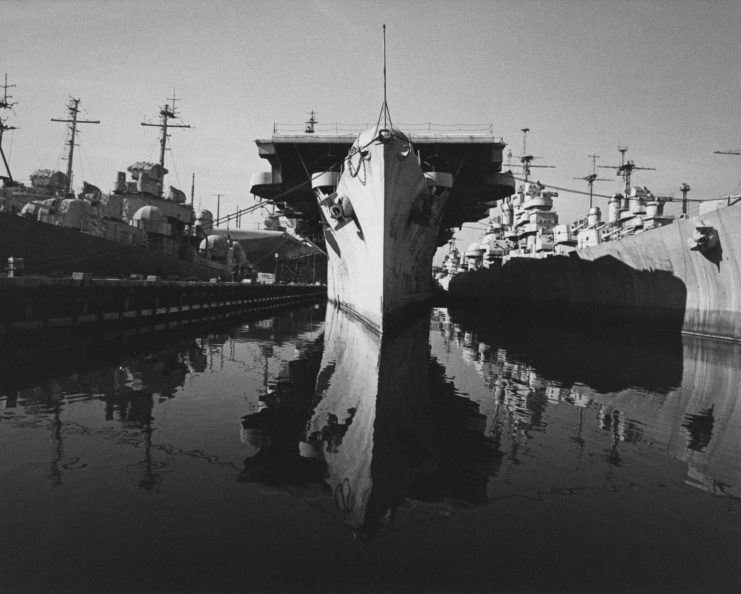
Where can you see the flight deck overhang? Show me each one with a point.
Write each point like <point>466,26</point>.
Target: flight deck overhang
<point>474,161</point>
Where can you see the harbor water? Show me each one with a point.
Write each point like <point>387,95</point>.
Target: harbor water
<point>301,453</point>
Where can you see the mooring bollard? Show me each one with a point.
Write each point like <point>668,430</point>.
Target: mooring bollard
<point>15,267</point>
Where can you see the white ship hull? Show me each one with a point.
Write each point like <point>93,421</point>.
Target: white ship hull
<point>380,255</point>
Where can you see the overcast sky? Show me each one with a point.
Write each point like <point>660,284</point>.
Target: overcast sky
<point>659,76</point>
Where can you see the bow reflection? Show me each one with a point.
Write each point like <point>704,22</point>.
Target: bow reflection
<point>367,425</point>
<point>383,431</point>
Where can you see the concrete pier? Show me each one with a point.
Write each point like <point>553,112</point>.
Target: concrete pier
<point>38,304</point>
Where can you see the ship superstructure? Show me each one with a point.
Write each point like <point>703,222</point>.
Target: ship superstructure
<point>528,214</point>
<point>633,210</point>
<point>46,184</point>
<point>526,226</point>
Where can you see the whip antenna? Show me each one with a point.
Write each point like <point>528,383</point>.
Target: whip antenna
<point>385,107</point>
<point>384,68</point>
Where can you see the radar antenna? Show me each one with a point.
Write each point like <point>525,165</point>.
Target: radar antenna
<point>73,121</point>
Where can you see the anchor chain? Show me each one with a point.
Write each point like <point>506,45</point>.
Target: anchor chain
<point>354,173</point>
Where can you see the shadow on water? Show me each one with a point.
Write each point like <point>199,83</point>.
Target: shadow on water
<point>606,357</point>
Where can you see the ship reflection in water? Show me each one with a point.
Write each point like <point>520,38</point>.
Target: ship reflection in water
<point>678,395</point>
<point>368,427</point>
<point>304,452</point>
<point>420,417</point>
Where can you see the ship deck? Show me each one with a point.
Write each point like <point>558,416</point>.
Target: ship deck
<point>474,160</point>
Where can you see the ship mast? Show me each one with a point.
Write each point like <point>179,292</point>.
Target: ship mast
<point>526,160</point>
<point>73,109</point>
<point>166,114</point>
<point>591,178</point>
<point>311,122</point>
<point>684,188</point>
<point>5,103</point>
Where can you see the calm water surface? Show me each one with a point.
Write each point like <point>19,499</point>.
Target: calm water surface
<point>300,453</point>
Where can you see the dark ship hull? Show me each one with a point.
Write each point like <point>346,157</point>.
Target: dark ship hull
<point>684,276</point>
<point>52,249</point>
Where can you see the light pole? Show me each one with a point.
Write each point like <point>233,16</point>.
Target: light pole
<point>275,273</point>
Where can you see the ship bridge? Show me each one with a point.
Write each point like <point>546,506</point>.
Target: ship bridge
<point>472,158</point>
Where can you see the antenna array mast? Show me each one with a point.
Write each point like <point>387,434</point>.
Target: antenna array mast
<point>626,168</point>
<point>5,103</point>
<point>73,109</point>
<point>166,114</point>
<point>526,160</point>
<point>591,178</point>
